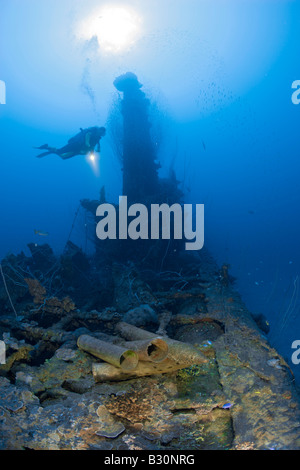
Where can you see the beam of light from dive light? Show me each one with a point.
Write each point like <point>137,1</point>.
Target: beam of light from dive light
<point>93,160</point>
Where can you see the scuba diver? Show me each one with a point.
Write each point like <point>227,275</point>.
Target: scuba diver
<point>83,143</point>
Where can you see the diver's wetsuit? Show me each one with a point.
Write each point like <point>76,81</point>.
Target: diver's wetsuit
<point>81,144</point>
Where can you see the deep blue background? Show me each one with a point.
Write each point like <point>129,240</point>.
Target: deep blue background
<point>221,75</point>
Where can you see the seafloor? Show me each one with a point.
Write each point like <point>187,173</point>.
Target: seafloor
<point>243,397</point>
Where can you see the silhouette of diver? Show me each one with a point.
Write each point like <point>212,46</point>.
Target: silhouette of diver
<point>81,144</point>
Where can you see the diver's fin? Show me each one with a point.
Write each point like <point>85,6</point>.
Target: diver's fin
<point>49,150</point>
<point>43,154</point>
<point>42,147</point>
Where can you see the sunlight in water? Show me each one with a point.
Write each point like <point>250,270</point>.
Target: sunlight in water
<point>115,27</point>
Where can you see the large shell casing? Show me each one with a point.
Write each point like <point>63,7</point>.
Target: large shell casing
<point>108,373</point>
<point>179,352</point>
<point>153,350</point>
<point>118,356</point>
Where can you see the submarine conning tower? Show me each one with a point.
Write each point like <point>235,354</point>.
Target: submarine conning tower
<point>140,177</point>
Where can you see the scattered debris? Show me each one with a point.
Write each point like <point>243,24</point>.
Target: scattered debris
<point>200,350</point>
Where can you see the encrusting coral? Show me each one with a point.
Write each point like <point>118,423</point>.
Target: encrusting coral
<point>50,305</point>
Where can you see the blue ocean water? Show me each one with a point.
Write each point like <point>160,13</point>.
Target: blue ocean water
<point>220,73</point>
